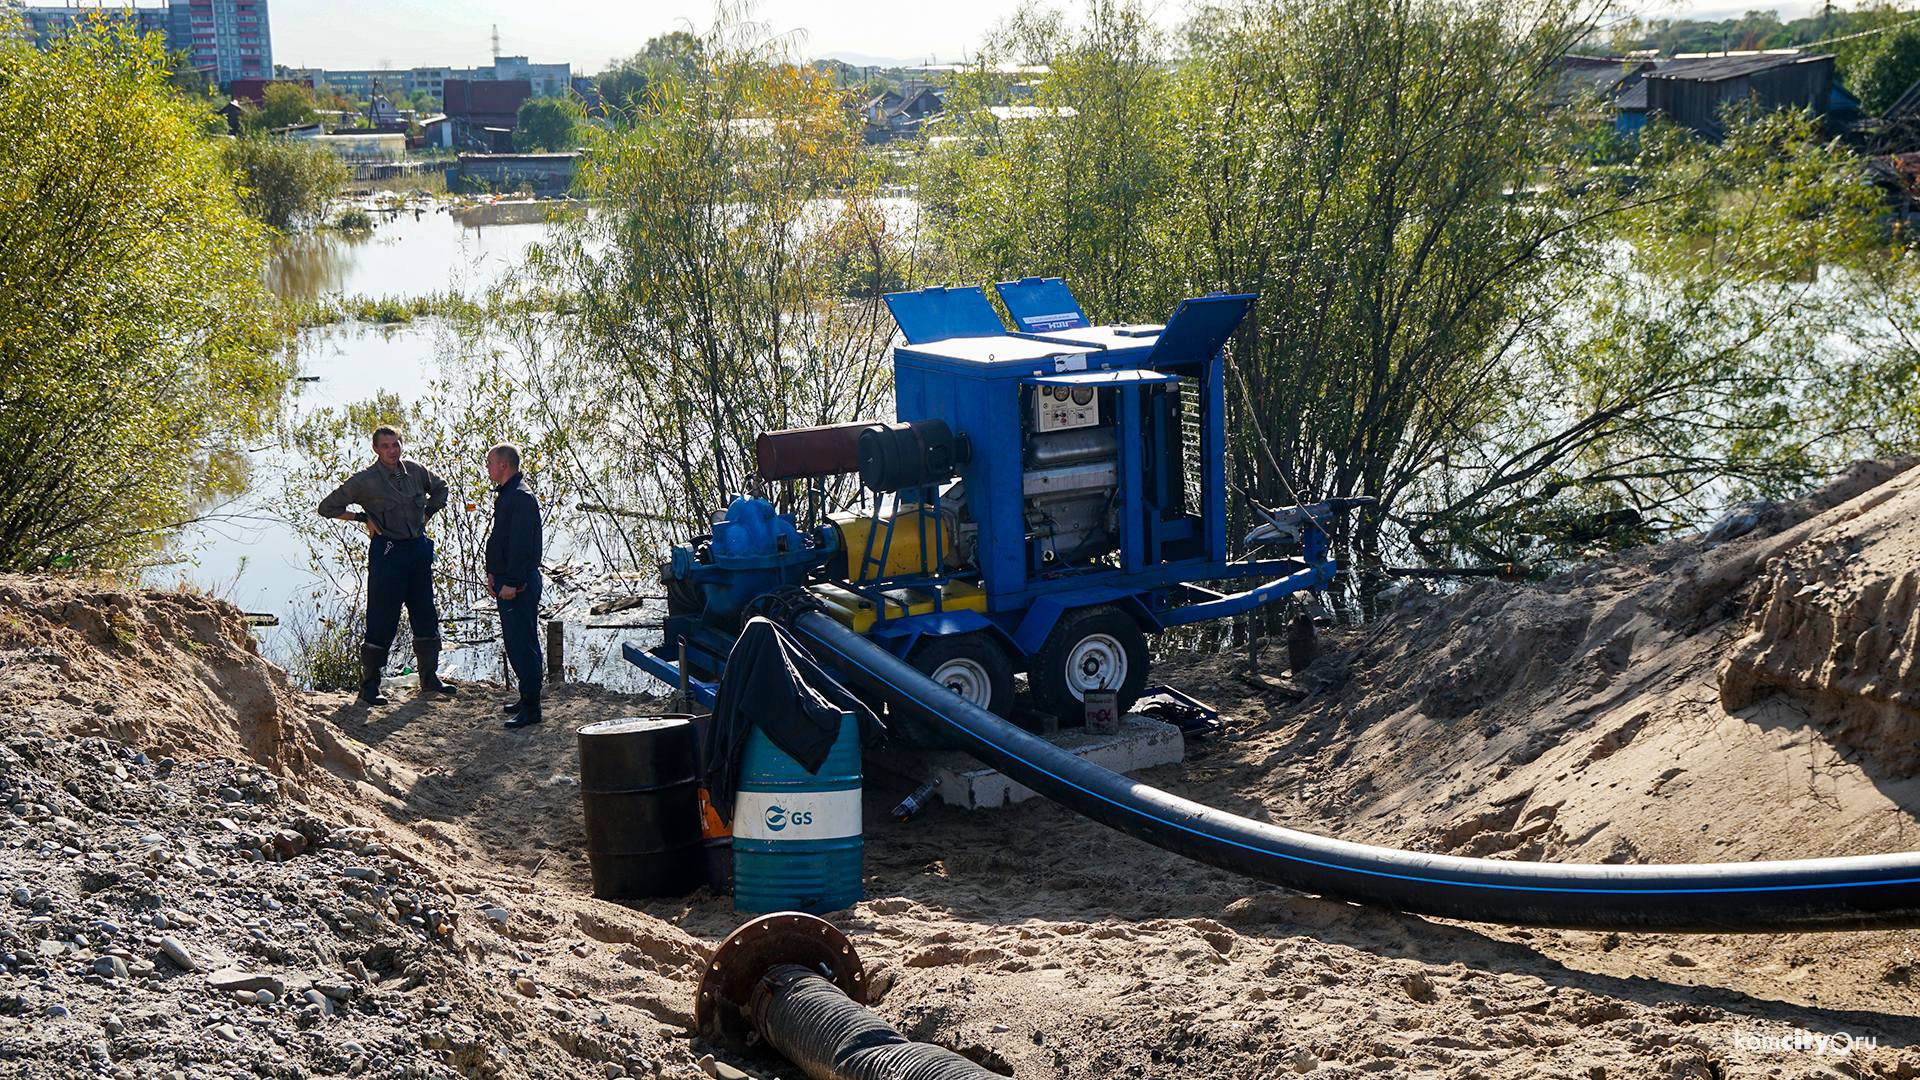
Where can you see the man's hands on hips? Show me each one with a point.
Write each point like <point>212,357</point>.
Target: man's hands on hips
<point>372,530</point>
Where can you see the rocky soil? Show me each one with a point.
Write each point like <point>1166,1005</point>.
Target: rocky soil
<point>205,872</point>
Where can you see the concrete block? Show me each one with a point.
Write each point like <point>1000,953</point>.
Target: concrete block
<point>1141,743</point>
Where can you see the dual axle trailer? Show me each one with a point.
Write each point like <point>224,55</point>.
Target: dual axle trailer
<point>1046,498</point>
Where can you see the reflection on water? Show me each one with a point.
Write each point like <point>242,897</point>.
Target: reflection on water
<point>516,212</point>
<point>311,265</point>
<point>422,249</point>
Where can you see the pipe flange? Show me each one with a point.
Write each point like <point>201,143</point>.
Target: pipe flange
<point>786,937</point>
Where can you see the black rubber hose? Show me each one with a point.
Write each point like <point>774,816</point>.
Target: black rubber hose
<point>1859,893</point>
<point>817,1027</point>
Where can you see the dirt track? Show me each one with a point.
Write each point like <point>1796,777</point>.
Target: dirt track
<point>1756,699</point>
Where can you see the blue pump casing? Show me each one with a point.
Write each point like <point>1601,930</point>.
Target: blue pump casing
<point>753,550</point>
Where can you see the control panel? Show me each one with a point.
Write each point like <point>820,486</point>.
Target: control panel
<point>1059,408</point>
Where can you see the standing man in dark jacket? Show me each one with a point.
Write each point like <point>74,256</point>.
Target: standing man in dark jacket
<point>396,496</point>
<point>513,576</point>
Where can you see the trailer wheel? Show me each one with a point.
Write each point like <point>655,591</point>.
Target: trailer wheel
<point>971,665</point>
<point>1094,648</point>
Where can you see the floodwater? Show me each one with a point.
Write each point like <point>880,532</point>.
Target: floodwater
<point>425,248</point>
<point>243,551</point>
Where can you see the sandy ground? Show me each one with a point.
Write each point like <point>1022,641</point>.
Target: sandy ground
<point>408,883</point>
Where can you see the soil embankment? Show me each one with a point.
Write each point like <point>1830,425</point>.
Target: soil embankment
<point>211,874</point>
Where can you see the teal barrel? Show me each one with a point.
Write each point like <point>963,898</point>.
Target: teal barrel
<point>797,842</point>
<point>640,805</point>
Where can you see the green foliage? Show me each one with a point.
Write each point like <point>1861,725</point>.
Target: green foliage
<point>626,86</point>
<point>707,293</point>
<point>547,124</point>
<point>183,77</point>
<point>381,310</point>
<point>285,104</point>
<point>1837,30</point>
<point>1888,69</point>
<point>323,646</point>
<point>286,183</point>
<point>353,219</point>
<point>1448,319</point>
<point>1080,190</point>
<point>132,333</point>
<point>1696,360</point>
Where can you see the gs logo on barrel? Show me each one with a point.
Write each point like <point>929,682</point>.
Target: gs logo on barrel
<point>778,818</point>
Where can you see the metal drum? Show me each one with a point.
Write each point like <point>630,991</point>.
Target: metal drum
<point>797,842</point>
<point>638,794</point>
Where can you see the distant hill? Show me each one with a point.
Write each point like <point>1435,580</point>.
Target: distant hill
<point>863,60</point>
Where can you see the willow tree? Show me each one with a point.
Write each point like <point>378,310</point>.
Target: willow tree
<point>131,348</point>
<point>709,294</point>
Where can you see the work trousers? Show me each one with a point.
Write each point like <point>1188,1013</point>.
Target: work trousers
<point>519,626</point>
<point>400,572</point>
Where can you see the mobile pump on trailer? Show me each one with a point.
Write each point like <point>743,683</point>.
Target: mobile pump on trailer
<point>1046,498</point>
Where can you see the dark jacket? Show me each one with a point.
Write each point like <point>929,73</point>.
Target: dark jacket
<point>513,546</point>
<point>771,681</point>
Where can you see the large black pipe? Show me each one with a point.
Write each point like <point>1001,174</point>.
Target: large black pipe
<point>1860,893</point>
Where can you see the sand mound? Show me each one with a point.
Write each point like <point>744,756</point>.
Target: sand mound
<point>174,672</point>
<point>1835,628</point>
<point>412,877</point>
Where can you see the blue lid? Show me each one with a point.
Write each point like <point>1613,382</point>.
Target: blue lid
<point>938,313</point>
<point>1040,305</point>
<point>1200,327</point>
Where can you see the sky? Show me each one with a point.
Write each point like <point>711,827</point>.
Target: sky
<point>350,34</point>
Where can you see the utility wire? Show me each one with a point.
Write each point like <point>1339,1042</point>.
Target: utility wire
<point>1861,34</point>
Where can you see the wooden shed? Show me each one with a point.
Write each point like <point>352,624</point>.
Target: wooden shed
<point>1694,90</point>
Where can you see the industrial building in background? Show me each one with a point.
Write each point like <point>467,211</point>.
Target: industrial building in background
<point>543,80</point>
<point>225,39</point>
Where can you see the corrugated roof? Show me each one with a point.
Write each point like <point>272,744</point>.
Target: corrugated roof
<point>1905,103</point>
<point>1731,66</point>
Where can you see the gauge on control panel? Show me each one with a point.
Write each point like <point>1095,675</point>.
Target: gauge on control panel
<point>1057,408</point>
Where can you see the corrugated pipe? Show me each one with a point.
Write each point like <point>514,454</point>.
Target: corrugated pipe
<point>819,1028</point>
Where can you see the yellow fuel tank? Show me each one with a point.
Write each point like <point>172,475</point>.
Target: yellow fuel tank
<point>860,613</point>
<point>908,551</point>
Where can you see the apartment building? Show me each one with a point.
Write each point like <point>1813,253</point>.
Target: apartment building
<point>225,39</point>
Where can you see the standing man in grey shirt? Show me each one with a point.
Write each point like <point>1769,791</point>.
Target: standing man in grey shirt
<point>396,496</point>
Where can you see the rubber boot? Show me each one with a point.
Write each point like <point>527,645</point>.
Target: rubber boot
<point>427,652</point>
<point>373,663</point>
<point>528,712</point>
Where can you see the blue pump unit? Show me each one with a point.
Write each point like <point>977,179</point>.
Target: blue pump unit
<point>1075,508</point>
<point>752,551</point>
<point>1065,496</point>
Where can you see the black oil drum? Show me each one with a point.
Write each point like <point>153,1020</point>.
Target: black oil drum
<point>639,795</point>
